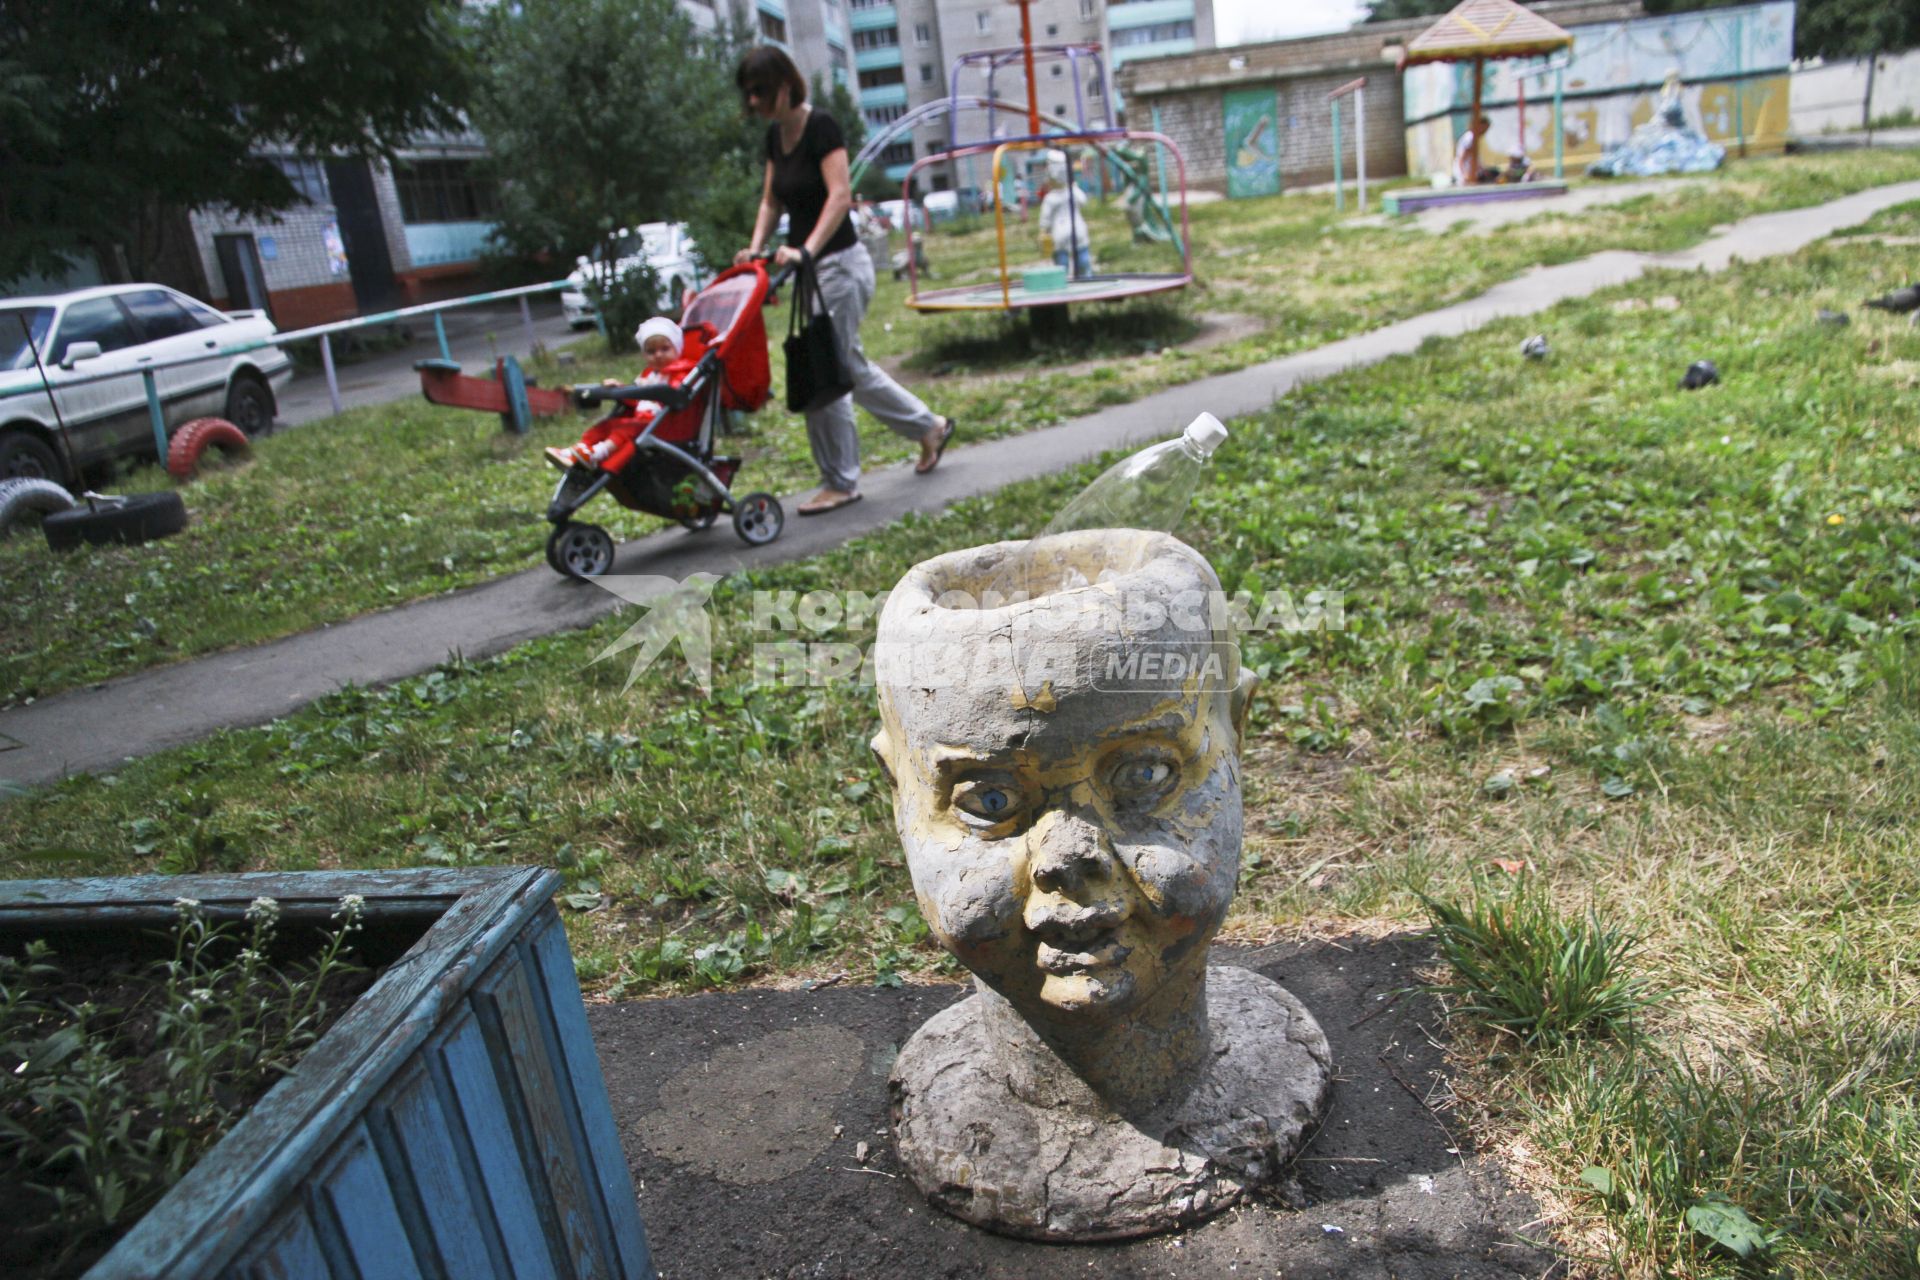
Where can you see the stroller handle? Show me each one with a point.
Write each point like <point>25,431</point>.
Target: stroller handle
<point>659,392</point>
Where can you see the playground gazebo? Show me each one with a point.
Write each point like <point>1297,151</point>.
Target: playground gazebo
<point>1479,30</point>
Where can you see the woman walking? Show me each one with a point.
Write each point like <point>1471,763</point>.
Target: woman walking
<point>807,176</point>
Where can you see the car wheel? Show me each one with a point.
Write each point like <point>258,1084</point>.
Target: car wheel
<point>138,518</point>
<point>192,441</point>
<point>25,501</point>
<point>250,405</point>
<point>24,456</point>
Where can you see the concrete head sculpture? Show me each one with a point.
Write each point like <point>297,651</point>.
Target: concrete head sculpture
<point>1066,780</point>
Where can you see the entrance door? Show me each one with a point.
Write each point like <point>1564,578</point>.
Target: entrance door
<point>363,234</point>
<point>240,271</point>
<point>1253,141</point>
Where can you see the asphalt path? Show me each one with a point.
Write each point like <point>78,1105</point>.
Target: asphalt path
<point>96,728</point>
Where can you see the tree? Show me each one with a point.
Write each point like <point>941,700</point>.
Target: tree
<point>1389,10</point>
<point>604,114</point>
<point>838,100</point>
<point>116,112</point>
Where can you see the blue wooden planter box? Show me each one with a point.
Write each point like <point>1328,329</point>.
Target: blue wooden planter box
<point>453,1123</point>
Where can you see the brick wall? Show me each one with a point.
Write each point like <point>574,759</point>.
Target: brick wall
<point>1187,91</point>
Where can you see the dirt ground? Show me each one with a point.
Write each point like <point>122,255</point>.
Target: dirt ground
<point>743,1117</point>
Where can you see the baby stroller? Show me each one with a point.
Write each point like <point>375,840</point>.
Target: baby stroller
<point>673,471</point>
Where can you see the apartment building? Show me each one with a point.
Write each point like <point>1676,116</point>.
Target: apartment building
<point>905,50</point>
<point>815,33</point>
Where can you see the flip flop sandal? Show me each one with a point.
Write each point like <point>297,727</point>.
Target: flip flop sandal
<point>953,426</point>
<point>811,510</point>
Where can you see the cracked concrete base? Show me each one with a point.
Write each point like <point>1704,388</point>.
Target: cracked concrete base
<point>755,1125</point>
<point>986,1149</point>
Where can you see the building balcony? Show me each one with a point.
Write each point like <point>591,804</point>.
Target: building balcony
<point>1158,49</point>
<point>777,9</point>
<point>876,59</point>
<point>886,95</point>
<point>874,18</point>
<point>1147,13</point>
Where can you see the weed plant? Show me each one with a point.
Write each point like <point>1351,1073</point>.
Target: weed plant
<point>1521,968</point>
<point>104,1106</point>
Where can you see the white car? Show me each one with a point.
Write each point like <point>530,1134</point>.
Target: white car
<point>666,245</point>
<point>120,329</point>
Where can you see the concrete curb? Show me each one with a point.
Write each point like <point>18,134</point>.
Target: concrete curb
<point>97,728</point>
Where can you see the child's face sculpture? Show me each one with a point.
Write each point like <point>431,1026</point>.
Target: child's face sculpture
<point>1074,842</point>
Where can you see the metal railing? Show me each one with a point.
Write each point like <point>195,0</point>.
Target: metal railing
<point>323,332</point>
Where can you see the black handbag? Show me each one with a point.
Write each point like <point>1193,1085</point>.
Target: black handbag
<point>817,372</point>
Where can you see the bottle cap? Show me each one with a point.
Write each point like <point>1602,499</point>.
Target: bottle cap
<point>1205,434</point>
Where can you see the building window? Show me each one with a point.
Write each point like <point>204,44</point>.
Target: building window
<point>772,28</point>
<point>1154,34</point>
<point>879,117</point>
<point>443,191</point>
<point>884,38</point>
<point>309,178</point>
<point>867,4</point>
<point>880,77</point>
<point>922,34</point>
<point>1057,69</point>
<point>1093,87</point>
<point>1053,28</point>
<point>898,153</point>
<point>983,20</point>
<point>926,73</point>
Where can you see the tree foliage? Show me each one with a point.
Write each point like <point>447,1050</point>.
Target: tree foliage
<point>603,114</point>
<point>116,108</point>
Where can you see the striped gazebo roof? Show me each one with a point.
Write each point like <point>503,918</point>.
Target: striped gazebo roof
<point>1485,29</point>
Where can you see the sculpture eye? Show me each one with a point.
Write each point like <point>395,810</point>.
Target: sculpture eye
<point>993,802</point>
<point>1141,780</point>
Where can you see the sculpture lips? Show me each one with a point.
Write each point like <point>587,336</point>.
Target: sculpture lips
<point>1104,952</point>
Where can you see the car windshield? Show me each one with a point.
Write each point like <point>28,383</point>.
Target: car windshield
<point>650,242</point>
<point>15,352</point>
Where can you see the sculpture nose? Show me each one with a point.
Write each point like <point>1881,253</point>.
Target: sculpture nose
<point>1065,851</point>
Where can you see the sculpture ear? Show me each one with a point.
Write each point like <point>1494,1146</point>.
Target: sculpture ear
<point>1240,701</point>
<point>881,745</point>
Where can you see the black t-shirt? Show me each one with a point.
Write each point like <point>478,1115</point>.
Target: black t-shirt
<point>797,183</point>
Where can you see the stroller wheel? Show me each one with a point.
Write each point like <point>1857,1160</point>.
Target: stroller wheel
<point>758,519</point>
<point>700,523</point>
<point>580,550</point>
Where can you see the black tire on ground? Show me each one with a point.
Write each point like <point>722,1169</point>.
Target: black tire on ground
<point>191,442</point>
<point>758,519</point>
<point>250,405</point>
<point>700,523</point>
<point>25,501</point>
<point>26,456</point>
<point>580,550</point>
<point>141,517</point>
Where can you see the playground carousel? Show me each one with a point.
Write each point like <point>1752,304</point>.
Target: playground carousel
<point>1015,138</point>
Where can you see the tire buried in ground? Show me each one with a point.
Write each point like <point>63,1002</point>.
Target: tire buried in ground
<point>137,518</point>
<point>191,442</point>
<point>25,501</point>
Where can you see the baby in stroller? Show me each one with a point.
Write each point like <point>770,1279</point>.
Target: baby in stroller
<point>671,355</point>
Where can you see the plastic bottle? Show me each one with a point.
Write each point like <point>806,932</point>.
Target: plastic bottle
<point>1148,490</point>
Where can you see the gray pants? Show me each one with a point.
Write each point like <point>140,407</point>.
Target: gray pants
<point>846,290</point>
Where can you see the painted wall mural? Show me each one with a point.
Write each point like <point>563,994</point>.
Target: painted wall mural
<point>1734,64</point>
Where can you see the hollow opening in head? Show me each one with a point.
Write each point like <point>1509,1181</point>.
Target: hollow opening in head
<point>1019,572</point>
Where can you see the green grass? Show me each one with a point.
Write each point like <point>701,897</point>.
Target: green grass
<point>1662,646</point>
<point>382,506</point>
